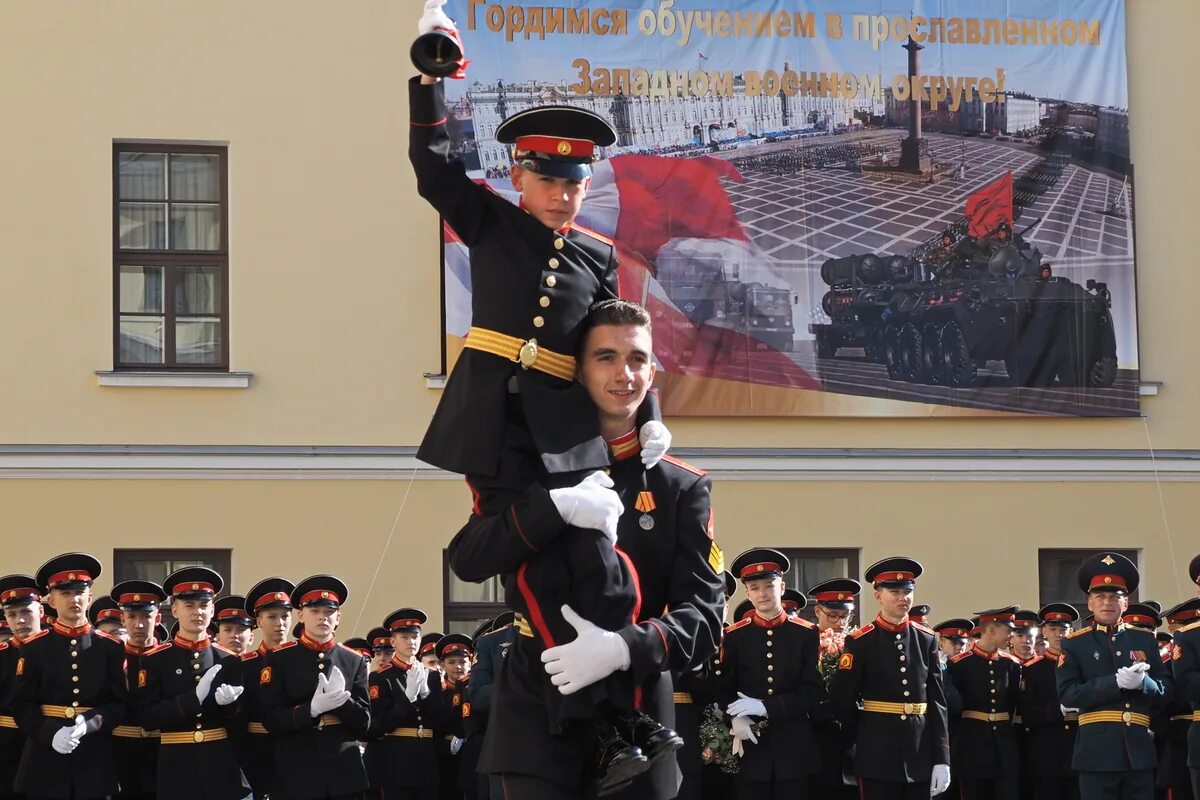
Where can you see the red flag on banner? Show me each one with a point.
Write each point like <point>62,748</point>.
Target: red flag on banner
<point>990,206</point>
<point>668,198</point>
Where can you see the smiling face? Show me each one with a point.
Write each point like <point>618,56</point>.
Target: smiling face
<point>766,595</point>
<point>554,202</point>
<point>617,371</point>
<point>1107,607</point>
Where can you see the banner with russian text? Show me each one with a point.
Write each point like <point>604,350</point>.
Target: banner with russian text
<point>838,207</point>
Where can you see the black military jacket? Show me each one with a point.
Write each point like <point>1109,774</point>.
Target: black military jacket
<point>135,748</point>
<point>1086,677</point>
<point>257,749</point>
<point>204,766</point>
<point>402,733</point>
<point>1051,735</point>
<point>774,661</point>
<point>11,740</point>
<point>678,567</point>
<point>80,668</point>
<point>895,664</point>
<point>979,682</point>
<point>315,757</point>
<point>527,281</point>
<point>1185,664</point>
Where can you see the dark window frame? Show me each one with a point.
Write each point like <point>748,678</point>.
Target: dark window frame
<point>466,611</point>
<point>1076,597</point>
<point>170,260</point>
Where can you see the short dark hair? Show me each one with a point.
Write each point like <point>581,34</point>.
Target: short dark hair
<point>616,312</point>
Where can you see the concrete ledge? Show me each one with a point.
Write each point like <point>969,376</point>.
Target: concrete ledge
<point>182,380</point>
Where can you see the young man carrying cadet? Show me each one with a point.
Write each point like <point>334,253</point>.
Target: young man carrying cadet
<point>1112,676</point>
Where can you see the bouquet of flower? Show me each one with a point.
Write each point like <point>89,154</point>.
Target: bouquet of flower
<point>717,740</point>
<point>832,643</point>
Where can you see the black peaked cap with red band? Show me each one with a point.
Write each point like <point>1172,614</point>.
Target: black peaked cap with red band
<point>232,608</point>
<point>1058,614</point>
<point>794,600</point>
<point>1026,619</point>
<point>320,590</point>
<point>745,607</point>
<point>839,593</point>
<point>1183,612</point>
<point>429,643</point>
<point>1007,615</point>
<point>454,644</point>
<point>138,595</point>
<point>103,608</point>
<point>560,141</point>
<point>760,562</point>
<point>270,593</point>
<point>406,620</point>
<point>1142,615</point>
<point>19,590</point>
<point>956,628</point>
<point>1108,572</point>
<point>68,571</point>
<point>897,572</point>
<point>193,583</point>
<point>380,638</point>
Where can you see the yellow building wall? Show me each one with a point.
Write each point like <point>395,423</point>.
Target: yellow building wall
<point>334,309</point>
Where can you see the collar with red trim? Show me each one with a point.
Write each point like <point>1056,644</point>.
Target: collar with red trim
<point>773,622</point>
<point>67,630</point>
<point>991,655</point>
<point>625,446</point>
<point>134,650</point>
<point>187,644</point>
<point>396,662</point>
<point>891,627</point>
<point>320,647</point>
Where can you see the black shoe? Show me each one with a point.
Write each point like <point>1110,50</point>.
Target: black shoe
<point>617,761</point>
<point>654,739</point>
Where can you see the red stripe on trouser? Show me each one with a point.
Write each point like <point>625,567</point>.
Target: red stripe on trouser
<point>637,609</point>
<point>535,610</point>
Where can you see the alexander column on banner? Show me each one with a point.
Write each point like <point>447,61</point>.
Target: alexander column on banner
<point>910,148</point>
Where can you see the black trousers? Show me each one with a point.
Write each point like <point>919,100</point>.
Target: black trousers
<point>529,787</point>
<point>1136,785</point>
<point>1049,787</point>
<point>771,790</point>
<point>1195,782</point>
<point>1003,787</point>
<point>870,789</point>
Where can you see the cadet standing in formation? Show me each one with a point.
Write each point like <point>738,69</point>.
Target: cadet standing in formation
<point>134,747</point>
<point>1185,664</point>
<point>1051,730</point>
<point>21,599</point>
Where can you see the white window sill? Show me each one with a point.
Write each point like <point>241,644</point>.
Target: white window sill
<point>435,380</point>
<point>187,380</point>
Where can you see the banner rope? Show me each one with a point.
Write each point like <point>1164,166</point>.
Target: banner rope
<point>1162,507</point>
<point>386,546</point>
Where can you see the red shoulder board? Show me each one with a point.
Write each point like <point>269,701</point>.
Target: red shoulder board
<point>865,629</point>
<point>108,636</point>
<point>349,649</point>
<point>158,648</point>
<point>3,646</point>
<point>921,627</point>
<point>741,623</point>
<point>595,235</point>
<point>684,465</point>
<point>386,667</point>
<point>957,658</point>
<point>221,649</point>
<point>1033,661</point>
<point>803,623</point>
<point>37,635</point>
<point>285,646</point>
<point>1011,657</point>
<point>253,654</point>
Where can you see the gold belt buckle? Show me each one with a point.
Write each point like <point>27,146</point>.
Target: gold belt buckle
<point>1126,717</point>
<point>992,716</point>
<point>527,356</point>
<point>908,708</point>
<point>69,712</point>
<point>198,737</point>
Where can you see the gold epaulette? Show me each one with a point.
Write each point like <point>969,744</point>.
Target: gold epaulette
<point>1080,632</point>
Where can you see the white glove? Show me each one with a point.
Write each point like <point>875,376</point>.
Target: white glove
<point>735,747</point>
<point>416,685</point>
<point>67,739</point>
<point>1066,710</point>
<point>434,18</point>
<point>337,681</point>
<point>941,779</point>
<point>1132,677</point>
<point>741,730</point>
<point>591,503</point>
<point>323,701</point>
<point>655,440</point>
<point>455,745</point>
<point>204,686</point>
<point>226,694</point>
<point>594,655</point>
<point>747,706</point>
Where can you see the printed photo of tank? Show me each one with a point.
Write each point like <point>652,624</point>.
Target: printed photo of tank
<point>940,319</point>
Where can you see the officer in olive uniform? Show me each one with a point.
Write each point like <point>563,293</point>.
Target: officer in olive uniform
<point>1182,617</point>
<point>891,668</point>
<point>69,692</point>
<point>531,285</point>
<point>1051,732</point>
<point>491,652</point>
<point>269,599</point>
<point>182,693</point>
<point>835,600</point>
<point>20,598</point>
<point>678,564</point>
<point>134,747</point>
<point>1113,677</point>
<point>313,695</point>
<point>769,672</point>
<point>1185,665</point>
<point>404,698</point>
<point>983,689</point>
